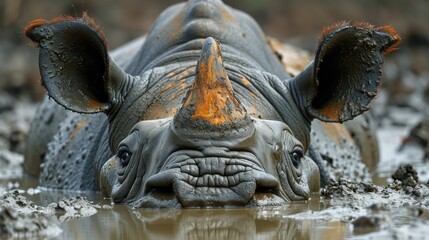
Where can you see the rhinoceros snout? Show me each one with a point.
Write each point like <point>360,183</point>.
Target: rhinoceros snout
<point>201,181</point>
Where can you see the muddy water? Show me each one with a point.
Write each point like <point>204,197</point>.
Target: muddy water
<point>312,219</point>
<point>122,222</point>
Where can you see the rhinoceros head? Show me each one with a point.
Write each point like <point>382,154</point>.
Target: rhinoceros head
<point>211,152</point>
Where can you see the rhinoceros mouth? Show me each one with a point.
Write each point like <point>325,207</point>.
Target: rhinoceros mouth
<point>194,179</point>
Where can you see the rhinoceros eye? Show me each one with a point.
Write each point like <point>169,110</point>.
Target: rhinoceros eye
<point>124,156</point>
<point>297,154</point>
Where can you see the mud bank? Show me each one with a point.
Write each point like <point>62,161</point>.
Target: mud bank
<point>399,210</point>
<point>22,218</point>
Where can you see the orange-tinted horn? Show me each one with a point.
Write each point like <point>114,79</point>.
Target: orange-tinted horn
<point>210,103</point>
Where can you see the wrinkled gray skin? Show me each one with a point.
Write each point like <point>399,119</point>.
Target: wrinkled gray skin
<point>135,151</point>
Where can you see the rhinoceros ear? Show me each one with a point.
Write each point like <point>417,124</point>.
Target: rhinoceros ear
<point>74,64</point>
<point>340,83</point>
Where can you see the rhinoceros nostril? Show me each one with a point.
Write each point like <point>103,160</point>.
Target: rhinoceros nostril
<point>162,181</point>
<point>161,191</point>
<point>266,183</point>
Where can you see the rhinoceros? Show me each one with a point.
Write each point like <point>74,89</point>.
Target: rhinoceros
<point>202,113</point>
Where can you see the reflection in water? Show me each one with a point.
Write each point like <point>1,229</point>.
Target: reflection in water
<point>122,222</point>
<point>205,224</point>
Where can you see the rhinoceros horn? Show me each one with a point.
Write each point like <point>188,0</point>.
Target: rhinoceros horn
<point>210,105</point>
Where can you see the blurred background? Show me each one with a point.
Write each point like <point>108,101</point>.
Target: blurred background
<point>299,22</point>
<point>296,21</point>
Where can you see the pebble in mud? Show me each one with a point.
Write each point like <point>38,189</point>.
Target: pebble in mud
<point>74,207</point>
<point>407,175</point>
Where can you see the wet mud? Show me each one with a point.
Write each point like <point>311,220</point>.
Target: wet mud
<point>22,218</point>
<point>16,224</point>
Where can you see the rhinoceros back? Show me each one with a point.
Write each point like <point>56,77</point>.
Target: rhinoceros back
<point>43,127</point>
<point>184,27</point>
<point>73,151</point>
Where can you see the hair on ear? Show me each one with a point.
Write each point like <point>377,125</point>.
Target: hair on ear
<point>84,19</point>
<point>395,37</point>
<point>346,72</point>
